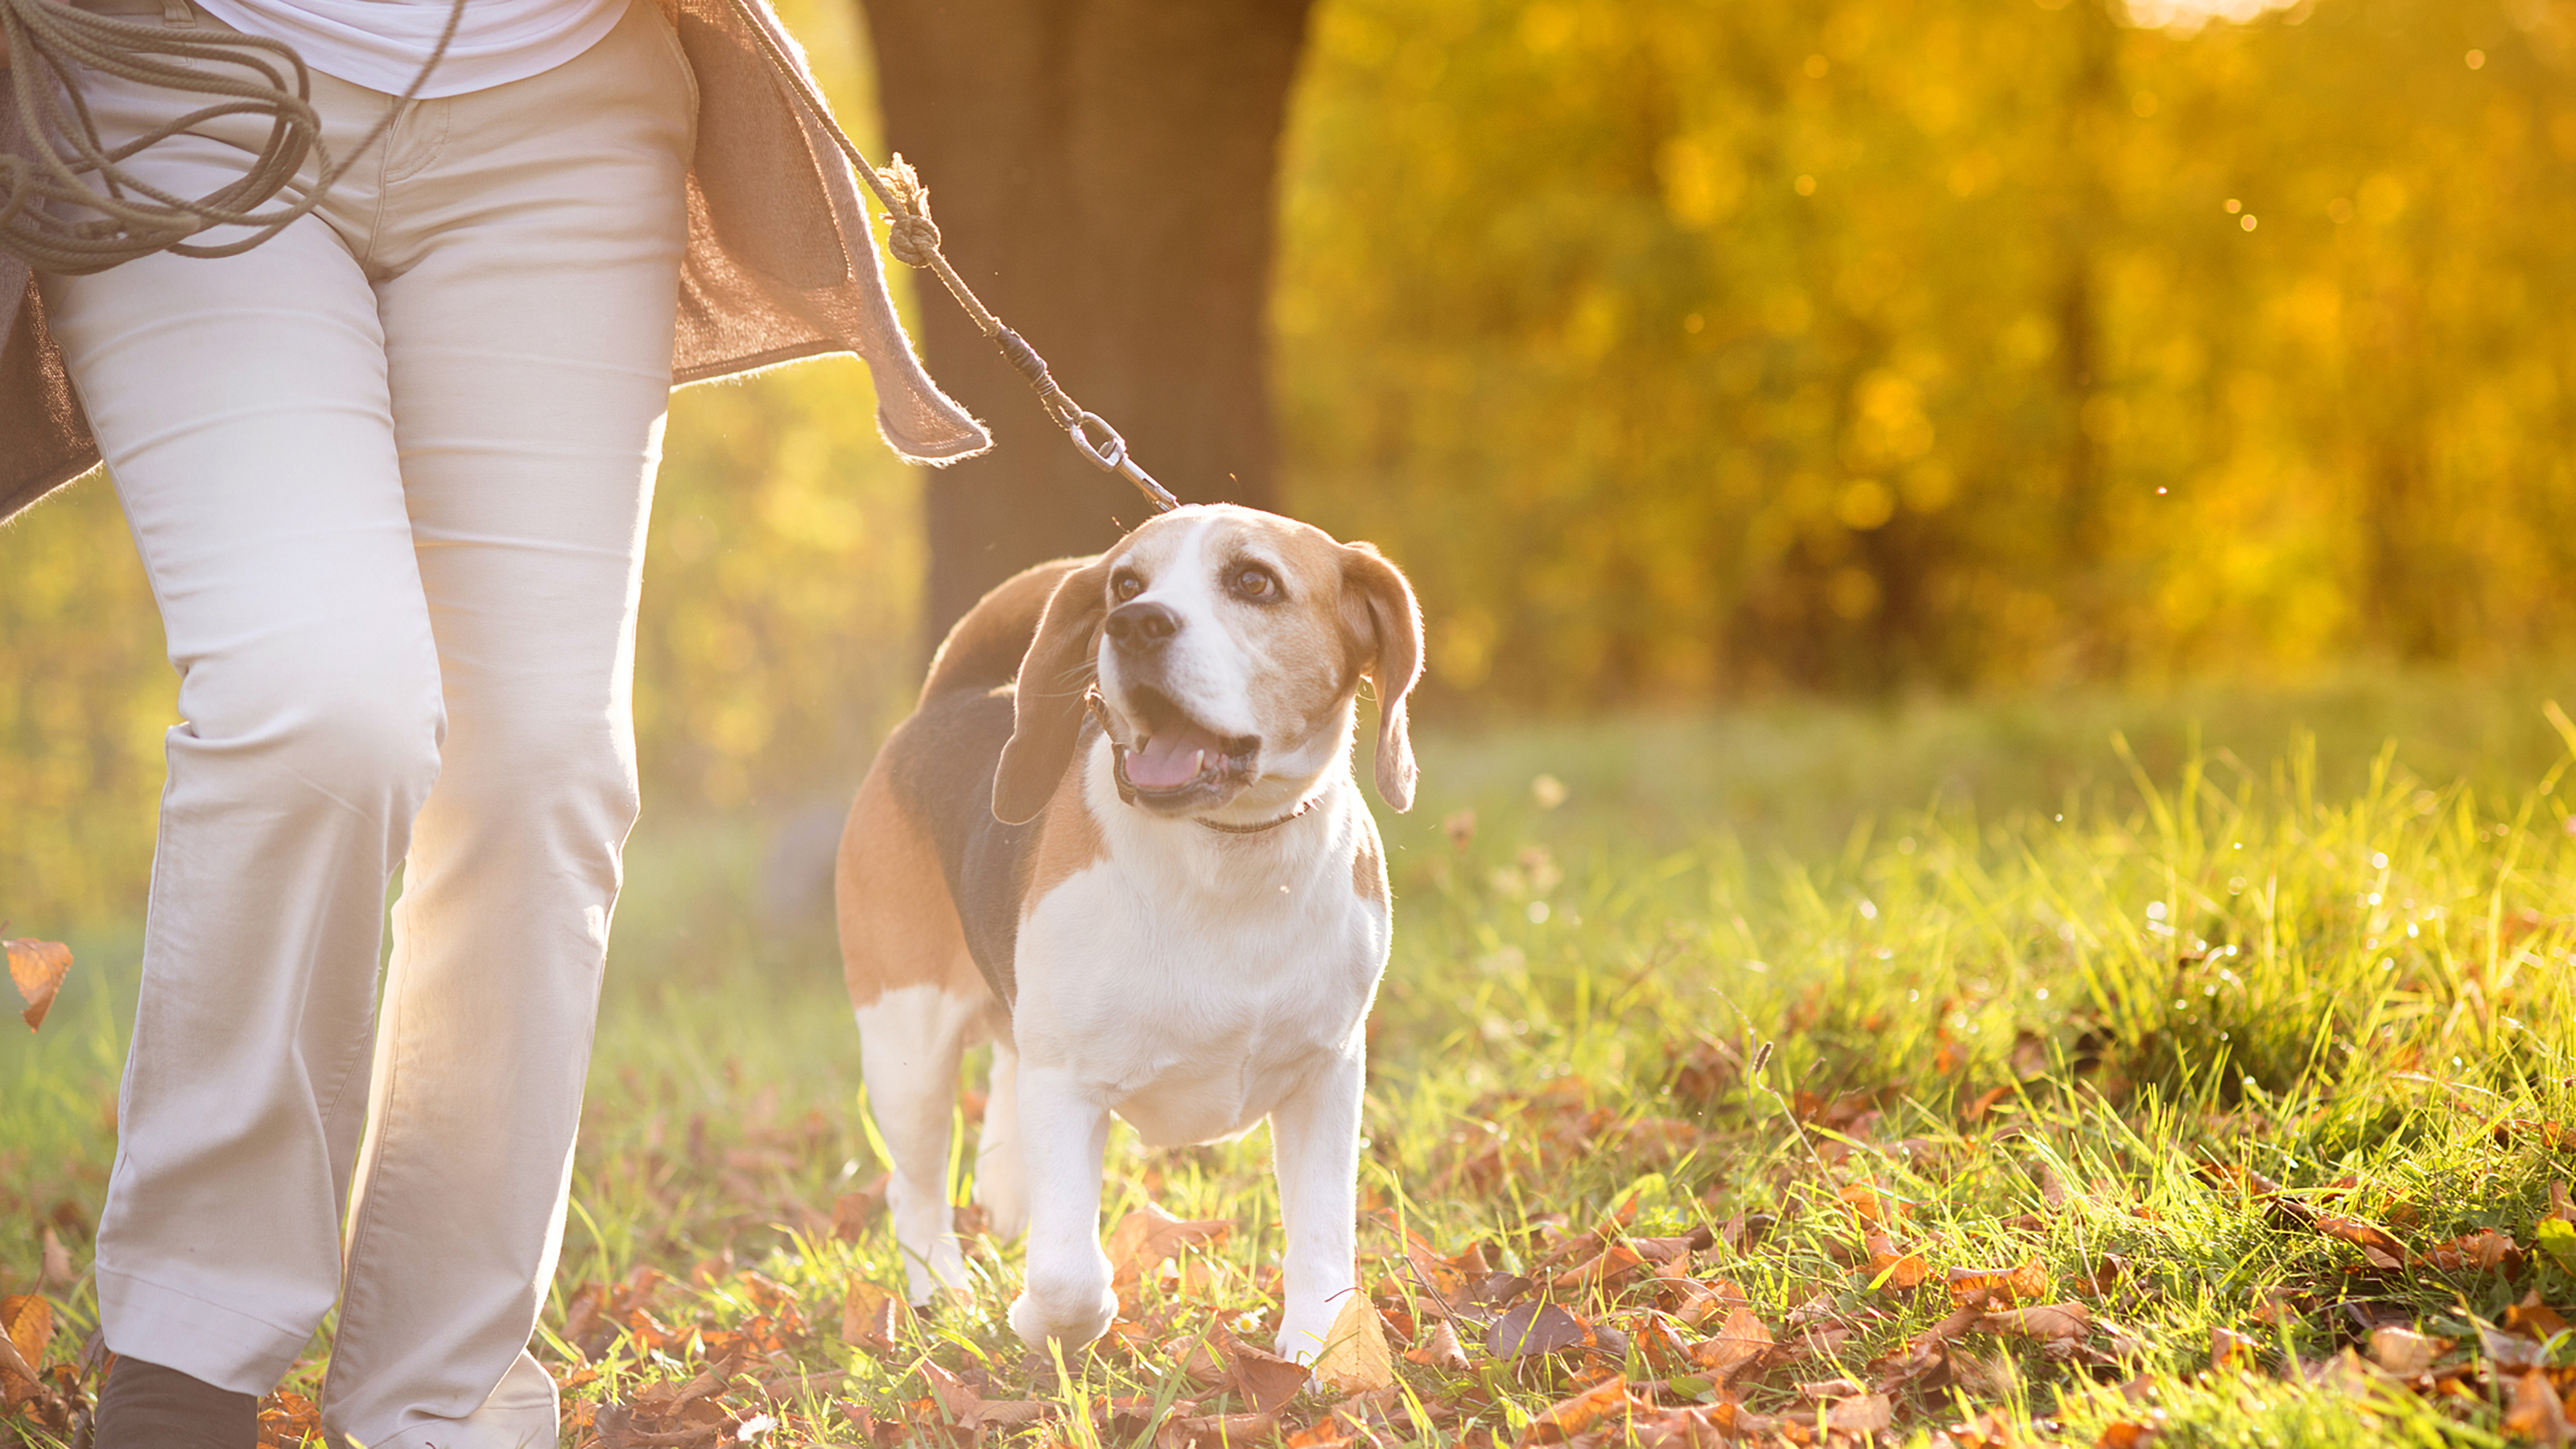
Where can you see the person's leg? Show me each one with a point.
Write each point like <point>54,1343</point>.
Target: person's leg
<point>528,280</point>
<point>243,408</point>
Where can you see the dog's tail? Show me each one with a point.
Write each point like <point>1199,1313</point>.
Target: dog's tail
<point>984,650</point>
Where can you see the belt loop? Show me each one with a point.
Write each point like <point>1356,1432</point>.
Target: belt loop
<point>176,12</point>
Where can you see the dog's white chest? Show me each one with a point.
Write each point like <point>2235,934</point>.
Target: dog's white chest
<point>1192,987</point>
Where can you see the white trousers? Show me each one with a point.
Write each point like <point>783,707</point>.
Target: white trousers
<point>388,475</point>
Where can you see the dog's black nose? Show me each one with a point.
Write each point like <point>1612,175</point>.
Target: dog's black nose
<point>1141,627</point>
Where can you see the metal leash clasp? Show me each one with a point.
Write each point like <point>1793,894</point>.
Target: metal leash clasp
<point>1111,457</point>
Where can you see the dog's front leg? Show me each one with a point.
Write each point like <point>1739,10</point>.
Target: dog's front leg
<point>1063,1133</point>
<point>1315,1137</point>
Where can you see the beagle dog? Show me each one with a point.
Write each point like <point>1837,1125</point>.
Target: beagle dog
<point>1120,838</point>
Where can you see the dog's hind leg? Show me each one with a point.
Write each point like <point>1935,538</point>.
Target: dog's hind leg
<point>910,1040</point>
<point>1001,1183</point>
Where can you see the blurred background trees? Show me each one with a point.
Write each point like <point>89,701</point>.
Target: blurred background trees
<point>1103,175</point>
<point>1683,347</point>
<point>1683,350</point>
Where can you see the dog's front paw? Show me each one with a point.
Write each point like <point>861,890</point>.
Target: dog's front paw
<point>1067,1308</point>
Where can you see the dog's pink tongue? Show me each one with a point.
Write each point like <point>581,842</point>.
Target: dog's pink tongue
<point>1170,759</point>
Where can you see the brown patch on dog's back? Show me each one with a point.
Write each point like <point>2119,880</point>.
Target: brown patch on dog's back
<point>898,925</point>
<point>1069,840</point>
<point>1368,869</point>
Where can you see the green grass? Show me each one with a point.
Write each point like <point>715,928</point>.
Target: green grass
<point>2044,975</point>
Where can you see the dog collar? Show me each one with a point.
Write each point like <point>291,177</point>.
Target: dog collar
<point>1127,790</point>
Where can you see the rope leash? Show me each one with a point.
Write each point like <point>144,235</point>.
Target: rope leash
<point>914,240</point>
<point>71,169</point>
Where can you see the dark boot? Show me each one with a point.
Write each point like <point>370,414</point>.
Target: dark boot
<point>145,1406</point>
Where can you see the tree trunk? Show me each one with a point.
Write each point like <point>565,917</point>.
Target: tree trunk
<point>1102,172</point>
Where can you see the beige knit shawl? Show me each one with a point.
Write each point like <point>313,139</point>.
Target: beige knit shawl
<point>781,265</point>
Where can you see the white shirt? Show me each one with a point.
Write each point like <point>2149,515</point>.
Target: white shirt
<point>381,44</point>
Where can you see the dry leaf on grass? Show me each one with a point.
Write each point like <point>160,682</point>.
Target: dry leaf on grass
<point>38,968</point>
<point>1356,1359</point>
<point>2403,1351</point>
<point>2228,1348</point>
<point>2533,1317</point>
<point>1866,1414</point>
<point>1259,1377</point>
<point>852,1211</point>
<point>1214,1431</point>
<point>2484,1251</point>
<point>2538,1413</point>
<point>2511,1350</point>
<point>874,1318</point>
<point>1892,1267</point>
<point>2068,1322</point>
<point>1742,1340</point>
<point>1146,1238</point>
<point>1563,1420</point>
<point>2377,1248</point>
<point>971,1411</point>
<point>1533,1329</point>
<point>2010,1284</point>
<point>1439,1349</point>
<point>1868,1206</point>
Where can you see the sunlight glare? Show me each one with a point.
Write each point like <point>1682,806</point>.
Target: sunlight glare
<point>2192,14</point>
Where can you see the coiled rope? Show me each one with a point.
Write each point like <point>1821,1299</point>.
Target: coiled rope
<point>70,204</point>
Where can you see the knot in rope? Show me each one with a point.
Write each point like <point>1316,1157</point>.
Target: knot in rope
<point>913,239</point>
<point>911,235</point>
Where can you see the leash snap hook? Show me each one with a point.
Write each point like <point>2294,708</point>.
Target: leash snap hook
<point>1108,457</point>
<point>1111,457</point>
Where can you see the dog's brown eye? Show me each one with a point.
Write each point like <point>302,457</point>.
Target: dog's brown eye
<point>1126,586</point>
<point>1254,582</point>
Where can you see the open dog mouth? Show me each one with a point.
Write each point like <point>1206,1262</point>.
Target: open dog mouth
<point>1174,755</point>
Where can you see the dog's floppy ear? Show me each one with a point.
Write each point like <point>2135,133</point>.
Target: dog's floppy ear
<point>1386,632</point>
<point>1047,710</point>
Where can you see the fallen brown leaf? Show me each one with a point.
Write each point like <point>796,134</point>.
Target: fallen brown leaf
<point>2023,1283</point>
<point>2228,1348</point>
<point>2377,1248</point>
<point>1260,1377</point>
<point>1439,1349</point>
<point>38,968</point>
<point>1215,1431</point>
<point>1148,1237</point>
<point>2511,1350</point>
<point>873,1318</point>
<point>2127,1434</point>
<point>1563,1420</point>
<point>2484,1251</point>
<point>2538,1413</point>
<point>1742,1340</point>
<point>1535,1328</point>
<point>1892,1267</point>
<point>852,1210</point>
<point>2403,1351</point>
<point>1865,1203</point>
<point>1866,1414</point>
<point>1356,1359</point>
<point>2533,1317</point>
<point>2068,1322</point>
<point>970,1410</point>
